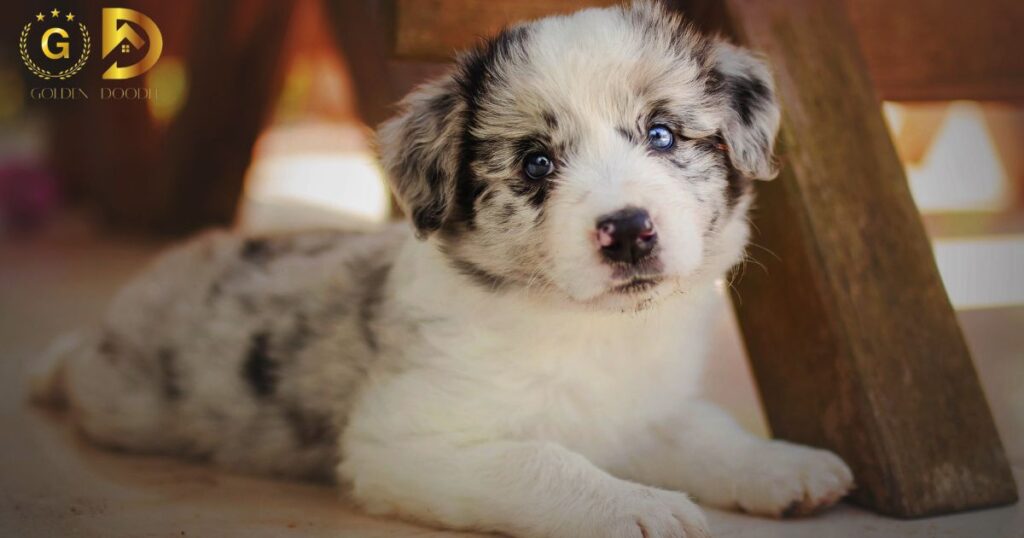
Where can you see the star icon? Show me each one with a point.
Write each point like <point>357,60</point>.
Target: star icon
<point>71,17</point>
<point>55,12</point>
<point>39,16</point>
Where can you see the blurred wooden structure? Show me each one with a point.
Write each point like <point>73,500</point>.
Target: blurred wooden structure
<point>234,56</point>
<point>851,337</point>
<point>914,49</point>
<point>187,174</point>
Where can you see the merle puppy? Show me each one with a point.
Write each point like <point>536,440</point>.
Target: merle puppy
<point>526,361</point>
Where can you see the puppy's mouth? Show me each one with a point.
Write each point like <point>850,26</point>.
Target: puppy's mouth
<point>637,285</point>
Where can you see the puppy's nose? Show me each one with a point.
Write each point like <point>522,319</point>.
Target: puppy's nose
<point>626,235</point>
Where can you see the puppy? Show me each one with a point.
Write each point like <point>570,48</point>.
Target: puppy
<point>527,362</point>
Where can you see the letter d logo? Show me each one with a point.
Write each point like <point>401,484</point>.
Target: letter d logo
<point>116,31</point>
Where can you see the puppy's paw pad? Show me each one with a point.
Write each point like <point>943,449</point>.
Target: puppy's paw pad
<point>792,480</point>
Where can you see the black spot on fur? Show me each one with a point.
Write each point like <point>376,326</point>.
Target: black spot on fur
<point>299,336</point>
<point>549,119</point>
<point>255,250</point>
<point>479,275</point>
<point>714,82</point>
<point>700,51</point>
<point>738,185</point>
<point>442,104</point>
<point>310,429</point>
<point>746,95</point>
<point>487,197</point>
<point>628,134</point>
<point>108,347</point>
<point>429,216</point>
<point>259,368</point>
<point>475,76</point>
<point>169,382</point>
<point>534,190</point>
<point>369,303</point>
<point>679,163</point>
<point>466,196</point>
<point>537,143</point>
<point>538,219</point>
<point>507,212</point>
<point>214,293</point>
<point>321,245</point>
<point>658,109</point>
<point>540,195</point>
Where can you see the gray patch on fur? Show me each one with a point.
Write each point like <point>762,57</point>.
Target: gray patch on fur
<point>169,382</point>
<point>259,368</point>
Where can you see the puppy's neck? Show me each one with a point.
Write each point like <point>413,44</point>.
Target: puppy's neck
<point>428,281</point>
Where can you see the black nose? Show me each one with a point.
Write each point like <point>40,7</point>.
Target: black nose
<point>626,235</point>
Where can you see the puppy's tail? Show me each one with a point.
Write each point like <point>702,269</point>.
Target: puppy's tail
<point>47,382</point>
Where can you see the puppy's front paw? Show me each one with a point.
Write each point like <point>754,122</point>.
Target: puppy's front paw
<point>785,479</point>
<point>643,512</point>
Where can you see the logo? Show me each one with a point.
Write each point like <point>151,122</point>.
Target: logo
<point>56,46</point>
<point>53,40</point>
<point>120,35</point>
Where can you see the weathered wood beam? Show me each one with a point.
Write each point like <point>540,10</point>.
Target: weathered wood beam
<point>851,337</point>
<point>941,49</point>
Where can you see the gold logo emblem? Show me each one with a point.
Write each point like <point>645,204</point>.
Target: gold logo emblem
<point>120,34</point>
<point>55,45</point>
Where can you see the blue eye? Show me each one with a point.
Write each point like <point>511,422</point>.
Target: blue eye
<point>538,165</point>
<point>660,138</point>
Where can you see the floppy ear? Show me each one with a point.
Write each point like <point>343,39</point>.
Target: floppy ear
<point>752,113</point>
<point>420,150</point>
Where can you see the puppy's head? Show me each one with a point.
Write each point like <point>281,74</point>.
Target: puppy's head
<point>604,157</point>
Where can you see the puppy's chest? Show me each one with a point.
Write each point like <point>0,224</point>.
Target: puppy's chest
<point>590,386</point>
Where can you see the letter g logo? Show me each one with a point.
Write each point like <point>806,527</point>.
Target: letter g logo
<point>62,46</point>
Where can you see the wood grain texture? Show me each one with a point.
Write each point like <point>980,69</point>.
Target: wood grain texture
<point>851,337</point>
<point>915,49</point>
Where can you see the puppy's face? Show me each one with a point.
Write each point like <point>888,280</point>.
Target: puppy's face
<point>605,157</point>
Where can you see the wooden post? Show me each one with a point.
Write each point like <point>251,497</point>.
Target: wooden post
<point>236,73</point>
<point>851,336</point>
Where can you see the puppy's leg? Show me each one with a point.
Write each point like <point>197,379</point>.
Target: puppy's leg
<point>524,489</point>
<point>705,453</point>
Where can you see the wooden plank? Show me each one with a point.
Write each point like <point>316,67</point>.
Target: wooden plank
<point>360,29</point>
<point>915,49</point>
<point>235,67</point>
<point>851,337</point>
<point>942,49</point>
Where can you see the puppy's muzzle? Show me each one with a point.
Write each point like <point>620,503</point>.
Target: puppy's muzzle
<point>626,236</point>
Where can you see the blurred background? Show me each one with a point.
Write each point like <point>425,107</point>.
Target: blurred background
<point>262,115</point>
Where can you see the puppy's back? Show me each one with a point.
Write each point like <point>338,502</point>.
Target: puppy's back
<point>212,350</point>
